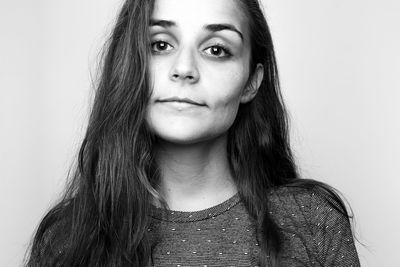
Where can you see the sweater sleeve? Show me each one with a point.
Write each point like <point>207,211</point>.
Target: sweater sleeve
<point>331,232</point>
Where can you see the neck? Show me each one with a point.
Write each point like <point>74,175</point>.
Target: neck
<point>195,176</point>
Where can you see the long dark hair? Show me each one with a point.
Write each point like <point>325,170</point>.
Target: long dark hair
<point>103,216</point>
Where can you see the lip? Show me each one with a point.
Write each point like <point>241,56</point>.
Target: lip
<point>181,100</point>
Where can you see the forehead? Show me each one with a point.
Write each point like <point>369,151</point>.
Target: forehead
<point>194,13</point>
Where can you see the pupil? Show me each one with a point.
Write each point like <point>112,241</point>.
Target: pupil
<point>216,50</point>
<point>161,46</point>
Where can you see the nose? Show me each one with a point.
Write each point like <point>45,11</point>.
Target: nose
<point>185,67</point>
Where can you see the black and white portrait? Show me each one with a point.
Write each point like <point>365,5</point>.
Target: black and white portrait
<point>199,133</point>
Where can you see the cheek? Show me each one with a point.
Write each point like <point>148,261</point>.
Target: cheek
<point>156,70</point>
<point>227,88</point>
<point>226,95</point>
<point>225,111</point>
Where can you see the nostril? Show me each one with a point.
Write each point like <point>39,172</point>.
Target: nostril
<point>189,77</point>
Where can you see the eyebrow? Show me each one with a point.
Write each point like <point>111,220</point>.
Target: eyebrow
<point>210,27</point>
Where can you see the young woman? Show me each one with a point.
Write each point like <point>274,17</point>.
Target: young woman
<point>186,159</point>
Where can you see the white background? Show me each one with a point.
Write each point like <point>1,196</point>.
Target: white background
<point>339,62</point>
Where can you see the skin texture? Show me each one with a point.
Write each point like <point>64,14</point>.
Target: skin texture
<point>209,67</point>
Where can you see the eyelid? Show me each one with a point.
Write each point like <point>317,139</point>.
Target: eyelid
<point>163,35</point>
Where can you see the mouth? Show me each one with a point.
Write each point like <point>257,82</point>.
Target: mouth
<point>181,100</point>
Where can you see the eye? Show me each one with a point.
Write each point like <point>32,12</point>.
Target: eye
<point>218,51</point>
<point>160,46</point>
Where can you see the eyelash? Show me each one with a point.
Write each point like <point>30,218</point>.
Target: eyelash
<point>225,49</point>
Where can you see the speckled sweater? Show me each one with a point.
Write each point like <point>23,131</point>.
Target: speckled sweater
<point>314,233</point>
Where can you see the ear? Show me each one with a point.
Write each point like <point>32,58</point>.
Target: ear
<point>252,86</point>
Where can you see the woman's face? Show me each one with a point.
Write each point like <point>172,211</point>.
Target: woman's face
<point>200,53</point>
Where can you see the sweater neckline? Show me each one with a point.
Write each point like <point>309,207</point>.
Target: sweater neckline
<point>192,216</point>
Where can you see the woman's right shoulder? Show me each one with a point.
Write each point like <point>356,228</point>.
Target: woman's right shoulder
<point>51,237</point>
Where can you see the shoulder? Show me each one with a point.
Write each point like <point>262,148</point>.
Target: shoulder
<point>50,240</point>
<point>290,206</point>
<point>311,208</point>
<point>289,196</point>
<point>310,199</point>
<point>286,200</point>
<point>312,216</point>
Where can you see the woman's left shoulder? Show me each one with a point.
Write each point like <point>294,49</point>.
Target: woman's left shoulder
<point>307,199</point>
<point>311,210</point>
<point>314,214</point>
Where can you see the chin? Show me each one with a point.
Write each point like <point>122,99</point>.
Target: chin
<point>181,138</point>
<point>187,132</point>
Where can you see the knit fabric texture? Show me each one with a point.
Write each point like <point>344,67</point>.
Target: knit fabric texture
<point>314,233</point>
